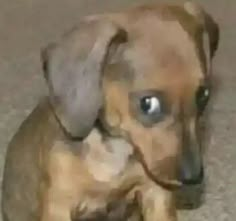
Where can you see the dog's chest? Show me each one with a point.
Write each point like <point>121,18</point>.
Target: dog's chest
<point>107,159</point>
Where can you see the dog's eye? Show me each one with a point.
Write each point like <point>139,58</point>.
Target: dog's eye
<point>202,97</point>
<point>150,105</point>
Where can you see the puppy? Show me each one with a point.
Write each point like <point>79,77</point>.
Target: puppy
<point>120,128</point>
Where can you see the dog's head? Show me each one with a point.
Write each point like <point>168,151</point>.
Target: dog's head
<point>145,75</point>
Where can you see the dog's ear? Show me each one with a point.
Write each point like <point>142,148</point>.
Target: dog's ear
<point>210,29</point>
<point>73,69</point>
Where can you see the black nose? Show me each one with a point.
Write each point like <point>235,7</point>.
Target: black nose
<point>192,177</point>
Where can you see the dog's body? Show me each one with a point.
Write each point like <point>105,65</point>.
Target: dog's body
<point>125,160</point>
<point>90,181</point>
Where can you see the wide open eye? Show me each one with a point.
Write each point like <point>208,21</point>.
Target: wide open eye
<point>150,105</point>
<point>202,97</point>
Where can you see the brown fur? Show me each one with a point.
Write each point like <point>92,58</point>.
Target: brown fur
<point>122,167</point>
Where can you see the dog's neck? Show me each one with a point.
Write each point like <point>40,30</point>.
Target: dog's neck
<point>107,157</point>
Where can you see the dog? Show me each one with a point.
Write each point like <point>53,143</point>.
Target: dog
<point>119,131</point>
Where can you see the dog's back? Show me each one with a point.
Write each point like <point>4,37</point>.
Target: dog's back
<point>23,176</point>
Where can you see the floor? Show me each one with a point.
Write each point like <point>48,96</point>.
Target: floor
<point>26,26</point>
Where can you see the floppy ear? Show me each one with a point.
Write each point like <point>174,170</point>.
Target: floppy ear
<point>210,29</point>
<point>73,69</point>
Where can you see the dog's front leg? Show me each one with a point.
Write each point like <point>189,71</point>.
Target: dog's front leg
<point>55,207</point>
<point>158,204</point>
<point>61,190</point>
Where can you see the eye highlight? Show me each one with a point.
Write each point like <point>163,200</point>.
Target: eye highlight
<point>202,98</point>
<point>150,105</point>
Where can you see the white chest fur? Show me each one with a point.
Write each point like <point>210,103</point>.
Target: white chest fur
<point>107,159</point>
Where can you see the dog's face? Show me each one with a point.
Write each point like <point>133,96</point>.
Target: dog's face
<point>145,75</point>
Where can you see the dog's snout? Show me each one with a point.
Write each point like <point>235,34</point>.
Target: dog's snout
<point>191,176</point>
<point>191,166</point>
<point>191,171</point>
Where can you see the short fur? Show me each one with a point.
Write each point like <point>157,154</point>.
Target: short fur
<point>86,152</point>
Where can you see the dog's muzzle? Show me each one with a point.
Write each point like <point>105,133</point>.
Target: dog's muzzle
<point>191,166</point>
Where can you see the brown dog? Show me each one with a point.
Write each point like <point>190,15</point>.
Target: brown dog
<point>120,127</point>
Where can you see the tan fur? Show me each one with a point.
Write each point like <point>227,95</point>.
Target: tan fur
<point>122,174</point>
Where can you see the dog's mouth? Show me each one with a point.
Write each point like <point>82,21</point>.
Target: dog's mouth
<point>171,184</point>
<point>166,183</point>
